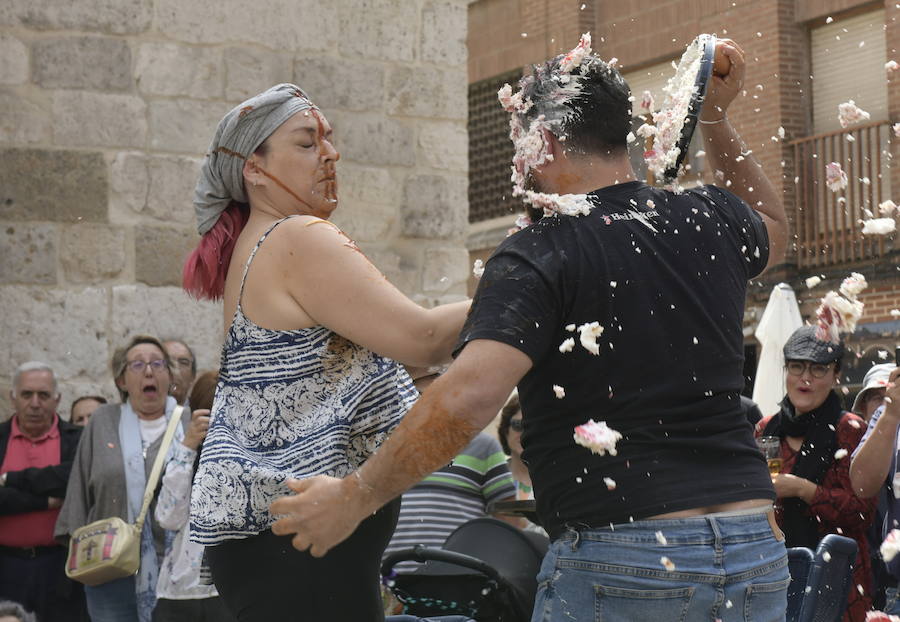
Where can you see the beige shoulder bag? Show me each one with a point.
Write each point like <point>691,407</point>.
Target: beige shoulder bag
<point>110,548</point>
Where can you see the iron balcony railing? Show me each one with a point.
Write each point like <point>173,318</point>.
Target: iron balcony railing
<point>828,224</point>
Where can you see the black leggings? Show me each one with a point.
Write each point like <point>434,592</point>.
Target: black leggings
<point>265,579</point>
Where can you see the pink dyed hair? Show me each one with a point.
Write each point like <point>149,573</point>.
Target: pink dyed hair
<point>206,267</point>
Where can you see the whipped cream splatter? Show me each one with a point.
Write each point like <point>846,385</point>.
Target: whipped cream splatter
<point>849,113</point>
<point>879,226</point>
<point>598,437</point>
<point>669,119</point>
<point>588,334</point>
<point>478,268</point>
<point>839,313</point>
<point>891,545</point>
<point>835,177</point>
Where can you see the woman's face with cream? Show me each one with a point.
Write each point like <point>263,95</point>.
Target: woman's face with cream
<point>294,171</point>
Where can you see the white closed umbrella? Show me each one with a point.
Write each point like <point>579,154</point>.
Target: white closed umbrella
<point>779,320</point>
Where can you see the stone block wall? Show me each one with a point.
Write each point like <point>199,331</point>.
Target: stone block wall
<point>109,106</point>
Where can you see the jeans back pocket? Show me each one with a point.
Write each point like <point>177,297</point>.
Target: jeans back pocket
<point>766,602</point>
<point>617,604</point>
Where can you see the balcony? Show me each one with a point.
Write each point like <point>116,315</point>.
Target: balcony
<point>828,225</point>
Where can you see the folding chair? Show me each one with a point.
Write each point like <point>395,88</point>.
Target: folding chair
<point>829,581</point>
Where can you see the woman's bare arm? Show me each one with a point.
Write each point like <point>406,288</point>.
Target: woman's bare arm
<point>338,287</point>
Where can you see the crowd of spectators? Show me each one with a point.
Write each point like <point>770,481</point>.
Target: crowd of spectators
<point>57,475</point>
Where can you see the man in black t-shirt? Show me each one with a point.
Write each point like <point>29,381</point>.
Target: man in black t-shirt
<point>664,276</point>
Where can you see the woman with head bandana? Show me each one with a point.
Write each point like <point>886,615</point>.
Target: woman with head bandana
<point>311,380</point>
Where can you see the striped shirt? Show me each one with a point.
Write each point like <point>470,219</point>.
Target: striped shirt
<point>451,496</point>
<point>289,403</point>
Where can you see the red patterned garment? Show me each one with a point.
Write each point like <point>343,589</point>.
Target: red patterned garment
<point>838,510</point>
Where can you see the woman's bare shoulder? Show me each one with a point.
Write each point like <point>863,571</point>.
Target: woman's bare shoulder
<point>305,233</point>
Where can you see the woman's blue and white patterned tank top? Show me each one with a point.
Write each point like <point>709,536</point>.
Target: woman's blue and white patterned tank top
<point>289,403</point>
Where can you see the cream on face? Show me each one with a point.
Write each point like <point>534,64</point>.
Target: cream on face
<point>531,148</point>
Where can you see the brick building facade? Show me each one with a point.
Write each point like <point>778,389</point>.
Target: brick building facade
<point>788,44</point>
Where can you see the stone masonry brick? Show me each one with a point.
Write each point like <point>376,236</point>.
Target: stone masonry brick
<point>249,71</point>
<point>98,63</point>
<point>173,69</point>
<point>62,186</point>
<point>159,253</point>
<point>275,24</point>
<point>28,253</point>
<point>444,268</point>
<point>92,253</point>
<point>14,68</point>
<point>184,125</point>
<point>444,145</point>
<point>108,16</point>
<point>354,85</point>
<point>167,312</point>
<point>65,328</point>
<point>367,183</point>
<point>369,202</point>
<point>428,92</point>
<point>25,118</point>
<point>374,139</point>
<point>379,29</point>
<point>365,221</point>
<point>443,39</point>
<point>98,119</point>
<point>435,206</point>
<point>158,186</point>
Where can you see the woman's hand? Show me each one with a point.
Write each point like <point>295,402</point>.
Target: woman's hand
<point>722,89</point>
<point>892,395</point>
<point>788,485</point>
<point>197,429</point>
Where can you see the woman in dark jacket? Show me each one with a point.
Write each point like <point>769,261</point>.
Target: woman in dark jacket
<point>818,437</point>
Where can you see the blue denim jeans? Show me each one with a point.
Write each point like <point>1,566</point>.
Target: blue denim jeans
<point>728,568</point>
<point>114,601</point>
<point>892,601</point>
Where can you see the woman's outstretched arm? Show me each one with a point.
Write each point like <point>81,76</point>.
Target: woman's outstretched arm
<point>337,286</point>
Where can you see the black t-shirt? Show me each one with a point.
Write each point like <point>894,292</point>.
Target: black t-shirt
<point>665,275</point>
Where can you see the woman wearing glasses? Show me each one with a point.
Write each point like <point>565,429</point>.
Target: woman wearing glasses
<point>818,437</point>
<point>116,451</point>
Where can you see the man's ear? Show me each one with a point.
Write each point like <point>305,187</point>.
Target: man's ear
<point>555,147</point>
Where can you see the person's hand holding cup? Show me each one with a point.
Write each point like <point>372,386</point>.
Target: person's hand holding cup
<point>770,446</point>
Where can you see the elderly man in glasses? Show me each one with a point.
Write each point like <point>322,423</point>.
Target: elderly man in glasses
<point>184,369</point>
<point>815,496</point>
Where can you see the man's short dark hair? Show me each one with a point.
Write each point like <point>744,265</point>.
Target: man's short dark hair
<point>97,398</point>
<point>600,117</point>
